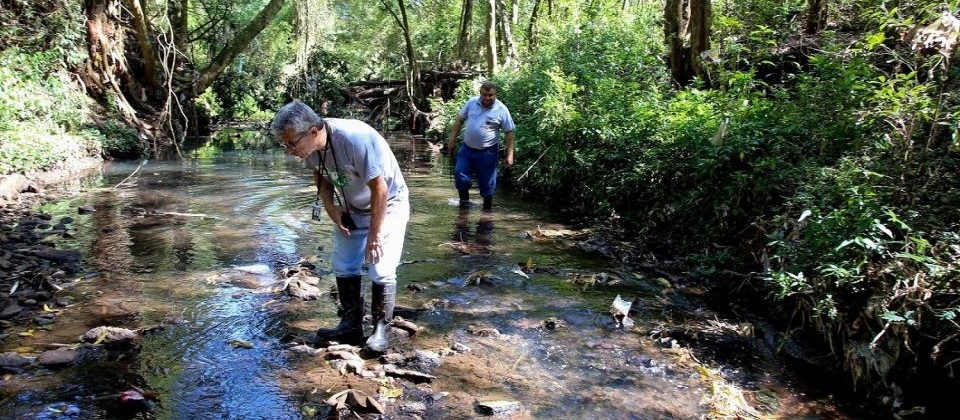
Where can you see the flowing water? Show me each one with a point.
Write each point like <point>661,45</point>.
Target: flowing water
<point>197,245</point>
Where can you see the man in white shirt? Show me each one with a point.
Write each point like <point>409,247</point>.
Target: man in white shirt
<point>352,161</point>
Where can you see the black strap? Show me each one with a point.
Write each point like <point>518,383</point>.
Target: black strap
<point>323,170</point>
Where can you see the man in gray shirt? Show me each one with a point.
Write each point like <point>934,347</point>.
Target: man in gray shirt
<point>351,160</point>
<point>485,117</point>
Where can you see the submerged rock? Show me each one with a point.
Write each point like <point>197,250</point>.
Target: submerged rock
<point>111,337</point>
<point>57,358</point>
<point>11,359</point>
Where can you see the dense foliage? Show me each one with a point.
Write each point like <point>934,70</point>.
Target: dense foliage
<point>45,117</point>
<point>827,165</point>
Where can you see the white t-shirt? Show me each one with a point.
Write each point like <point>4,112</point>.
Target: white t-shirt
<point>362,154</point>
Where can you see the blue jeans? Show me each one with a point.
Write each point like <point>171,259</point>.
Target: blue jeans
<point>482,163</point>
<point>348,251</point>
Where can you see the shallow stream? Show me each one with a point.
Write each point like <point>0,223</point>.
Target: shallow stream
<point>197,245</point>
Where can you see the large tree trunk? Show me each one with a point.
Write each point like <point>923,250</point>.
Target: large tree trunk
<point>816,16</point>
<point>155,109</point>
<point>492,38</point>
<point>509,46</point>
<point>142,27</point>
<point>673,34</point>
<point>466,21</point>
<point>515,12</point>
<point>701,18</point>
<point>106,74</point>
<point>237,45</point>
<point>178,13</point>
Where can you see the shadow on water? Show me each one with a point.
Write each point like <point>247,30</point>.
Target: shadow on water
<point>196,245</point>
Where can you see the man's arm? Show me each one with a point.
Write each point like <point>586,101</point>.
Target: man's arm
<point>510,140</point>
<point>378,211</point>
<point>325,189</point>
<point>457,125</point>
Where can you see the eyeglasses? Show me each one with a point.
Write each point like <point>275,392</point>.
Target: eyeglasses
<point>292,145</point>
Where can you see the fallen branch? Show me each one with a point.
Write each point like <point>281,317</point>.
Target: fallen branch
<point>534,163</point>
<point>142,162</point>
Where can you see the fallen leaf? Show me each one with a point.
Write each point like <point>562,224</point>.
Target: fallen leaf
<point>391,392</point>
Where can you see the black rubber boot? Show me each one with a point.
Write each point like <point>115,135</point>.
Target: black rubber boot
<point>350,329</point>
<point>464,199</point>
<point>487,203</point>
<point>383,300</point>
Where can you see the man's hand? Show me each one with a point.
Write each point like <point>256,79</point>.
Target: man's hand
<point>374,251</point>
<point>336,214</point>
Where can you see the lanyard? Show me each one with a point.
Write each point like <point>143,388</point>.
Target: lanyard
<point>324,171</point>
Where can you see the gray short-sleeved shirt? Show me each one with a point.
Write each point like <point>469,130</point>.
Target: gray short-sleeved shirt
<point>483,125</point>
<point>362,154</point>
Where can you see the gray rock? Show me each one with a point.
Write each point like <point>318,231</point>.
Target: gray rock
<point>10,311</point>
<point>425,360</point>
<point>414,408</point>
<point>14,359</point>
<point>303,290</point>
<point>498,407</point>
<point>57,358</point>
<point>460,348</point>
<point>112,337</point>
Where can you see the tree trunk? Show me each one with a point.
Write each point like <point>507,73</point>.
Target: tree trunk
<point>492,38</point>
<point>414,67</point>
<point>515,13</point>
<point>510,47</point>
<point>701,18</point>
<point>673,34</point>
<point>466,21</point>
<point>413,82</point>
<point>142,28</point>
<point>816,16</point>
<point>237,45</point>
<point>533,28</point>
<point>178,13</point>
<point>106,73</point>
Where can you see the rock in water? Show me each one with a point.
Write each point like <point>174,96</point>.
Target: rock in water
<point>620,309</point>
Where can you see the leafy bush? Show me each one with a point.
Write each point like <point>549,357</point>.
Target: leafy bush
<point>33,90</point>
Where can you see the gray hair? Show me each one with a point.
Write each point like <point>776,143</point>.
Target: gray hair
<point>296,116</point>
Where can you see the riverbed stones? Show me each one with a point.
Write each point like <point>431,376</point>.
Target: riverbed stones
<point>111,337</point>
<point>11,310</point>
<point>301,289</point>
<point>424,360</point>
<point>497,407</point>
<point>11,359</point>
<point>57,358</point>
